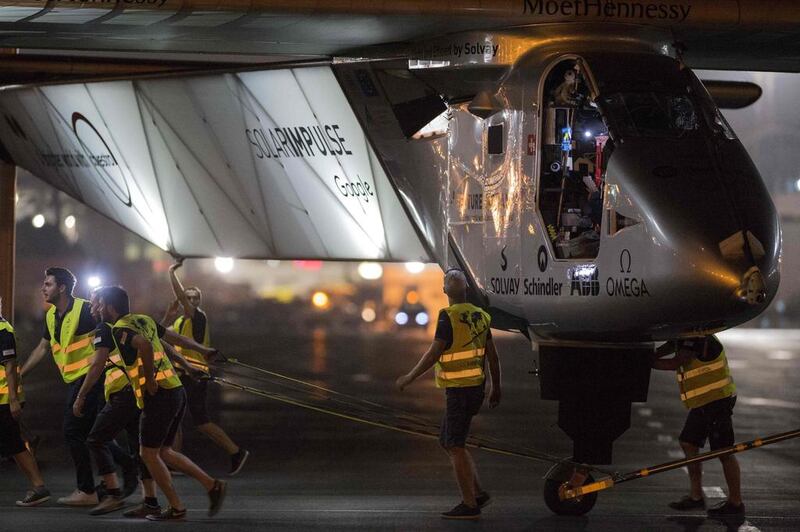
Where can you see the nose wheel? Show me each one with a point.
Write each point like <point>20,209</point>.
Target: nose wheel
<point>556,482</point>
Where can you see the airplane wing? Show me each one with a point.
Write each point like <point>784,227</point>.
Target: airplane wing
<point>717,34</point>
<point>262,164</point>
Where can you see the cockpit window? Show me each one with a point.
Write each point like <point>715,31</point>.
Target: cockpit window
<point>650,114</point>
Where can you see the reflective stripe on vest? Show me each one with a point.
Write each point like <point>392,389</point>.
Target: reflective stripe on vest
<point>462,363</point>
<point>5,326</point>
<point>701,382</point>
<point>164,373</point>
<point>185,327</point>
<point>116,379</point>
<point>72,354</point>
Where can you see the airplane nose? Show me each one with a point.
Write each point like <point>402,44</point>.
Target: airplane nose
<point>710,215</point>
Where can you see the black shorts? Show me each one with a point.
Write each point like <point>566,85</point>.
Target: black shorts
<point>161,417</point>
<point>196,393</point>
<point>712,422</point>
<point>462,405</point>
<point>10,437</point>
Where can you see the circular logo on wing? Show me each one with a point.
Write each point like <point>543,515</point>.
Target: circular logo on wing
<point>101,159</point>
<point>541,258</point>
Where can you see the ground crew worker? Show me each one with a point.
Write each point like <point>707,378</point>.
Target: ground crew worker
<point>193,323</point>
<point>708,391</point>
<point>460,349</point>
<point>11,401</point>
<point>69,333</point>
<point>160,394</point>
<point>119,413</point>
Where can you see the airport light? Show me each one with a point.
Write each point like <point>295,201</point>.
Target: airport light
<point>414,267</point>
<point>797,185</point>
<point>401,318</point>
<point>421,318</point>
<point>94,281</point>
<point>38,221</point>
<point>412,297</point>
<point>69,222</point>
<point>370,271</point>
<point>587,133</point>
<point>320,300</point>
<point>368,315</point>
<point>223,264</point>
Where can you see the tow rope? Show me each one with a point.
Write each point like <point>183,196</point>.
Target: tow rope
<point>372,414</point>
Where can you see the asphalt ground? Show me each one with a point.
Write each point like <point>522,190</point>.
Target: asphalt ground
<point>313,471</point>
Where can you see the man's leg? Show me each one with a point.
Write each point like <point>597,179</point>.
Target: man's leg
<point>27,463</point>
<point>463,469</point>
<point>730,467</point>
<point>219,437</point>
<point>695,471</point>
<point>76,430</point>
<point>152,459</point>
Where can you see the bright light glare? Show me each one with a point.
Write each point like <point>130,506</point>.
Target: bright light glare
<point>370,270</point>
<point>401,318</point>
<point>38,221</point>
<point>223,264</point>
<point>415,267</point>
<point>320,299</point>
<point>69,222</point>
<point>94,281</point>
<point>587,133</point>
<point>421,318</point>
<point>368,315</point>
<point>797,184</point>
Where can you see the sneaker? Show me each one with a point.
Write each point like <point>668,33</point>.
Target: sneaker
<point>141,511</point>
<point>238,460</point>
<point>725,509</point>
<point>483,499</point>
<point>687,503</point>
<point>110,503</point>
<point>79,498</point>
<point>215,497</point>
<point>168,514</point>
<point>462,511</point>
<point>35,497</point>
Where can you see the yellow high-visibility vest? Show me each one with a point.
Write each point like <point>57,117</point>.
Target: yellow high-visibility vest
<point>5,326</point>
<point>72,353</point>
<point>701,382</point>
<point>185,327</point>
<point>164,372</point>
<point>462,363</point>
<point>115,377</point>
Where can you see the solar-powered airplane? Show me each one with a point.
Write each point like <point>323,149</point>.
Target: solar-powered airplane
<point>563,153</point>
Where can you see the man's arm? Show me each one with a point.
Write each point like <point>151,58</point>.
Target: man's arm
<point>144,350</point>
<point>11,377</point>
<point>36,356</point>
<point>170,314</point>
<point>174,338</point>
<point>682,356</point>
<point>425,363</point>
<point>179,359</point>
<point>494,371</point>
<point>95,371</point>
<point>177,289</point>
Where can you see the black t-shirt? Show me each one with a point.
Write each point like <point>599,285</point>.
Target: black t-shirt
<point>704,349</point>
<point>86,322</point>
<point>199,321</point>
<point>444,330</point>
<point>124,339</point>
<point>8,346</point>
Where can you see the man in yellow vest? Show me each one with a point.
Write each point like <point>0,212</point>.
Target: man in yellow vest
<point>461,347</point>
<point>69,333</point>
<point>708,391</point>
<point>160,394</point>
<point>193,323</point>
<point>11,401</point>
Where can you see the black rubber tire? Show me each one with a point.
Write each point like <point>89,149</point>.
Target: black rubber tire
<point>577,506</point>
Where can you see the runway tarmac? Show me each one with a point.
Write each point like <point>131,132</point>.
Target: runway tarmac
<point>312,471</point>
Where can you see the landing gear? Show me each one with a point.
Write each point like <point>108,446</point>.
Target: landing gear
<point>555,481</point>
